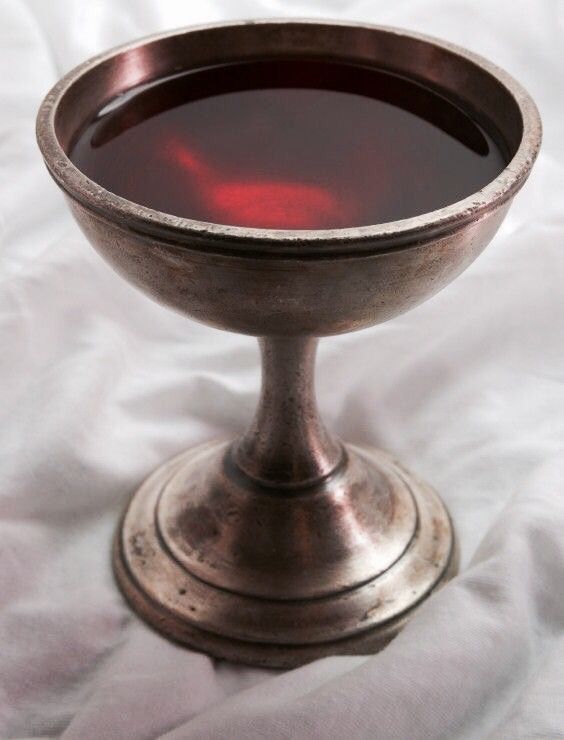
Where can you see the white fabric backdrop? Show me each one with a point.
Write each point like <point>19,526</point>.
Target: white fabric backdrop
<point>98,386</point>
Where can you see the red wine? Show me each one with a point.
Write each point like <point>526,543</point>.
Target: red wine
<point>288,144</point>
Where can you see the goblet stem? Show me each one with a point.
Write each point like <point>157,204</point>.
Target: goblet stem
<point>287,444</point>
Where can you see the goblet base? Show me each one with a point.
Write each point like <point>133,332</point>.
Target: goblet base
<point>289,614</point>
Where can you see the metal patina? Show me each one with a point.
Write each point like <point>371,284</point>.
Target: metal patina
<point>286,545</point>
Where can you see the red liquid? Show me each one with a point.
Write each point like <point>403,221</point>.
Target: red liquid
<point>287,144</point>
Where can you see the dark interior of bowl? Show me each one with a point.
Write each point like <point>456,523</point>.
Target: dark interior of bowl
<point>458,78</point>
<point>292,143</point>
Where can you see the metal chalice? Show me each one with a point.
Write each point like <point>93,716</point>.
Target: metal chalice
<point>286,545</point>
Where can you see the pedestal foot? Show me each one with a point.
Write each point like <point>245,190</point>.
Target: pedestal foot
<point>214,560</point>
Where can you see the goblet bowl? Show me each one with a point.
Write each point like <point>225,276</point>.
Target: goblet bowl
<point>285,544</point>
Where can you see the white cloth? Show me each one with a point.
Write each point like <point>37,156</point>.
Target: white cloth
<point>98,385</point>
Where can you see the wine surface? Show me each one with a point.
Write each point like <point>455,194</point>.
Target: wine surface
<point>287,144</point>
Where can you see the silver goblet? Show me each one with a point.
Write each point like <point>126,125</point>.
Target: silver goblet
<point>285,544</point>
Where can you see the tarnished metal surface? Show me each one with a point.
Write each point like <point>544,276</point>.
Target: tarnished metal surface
<point>286,545</point>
